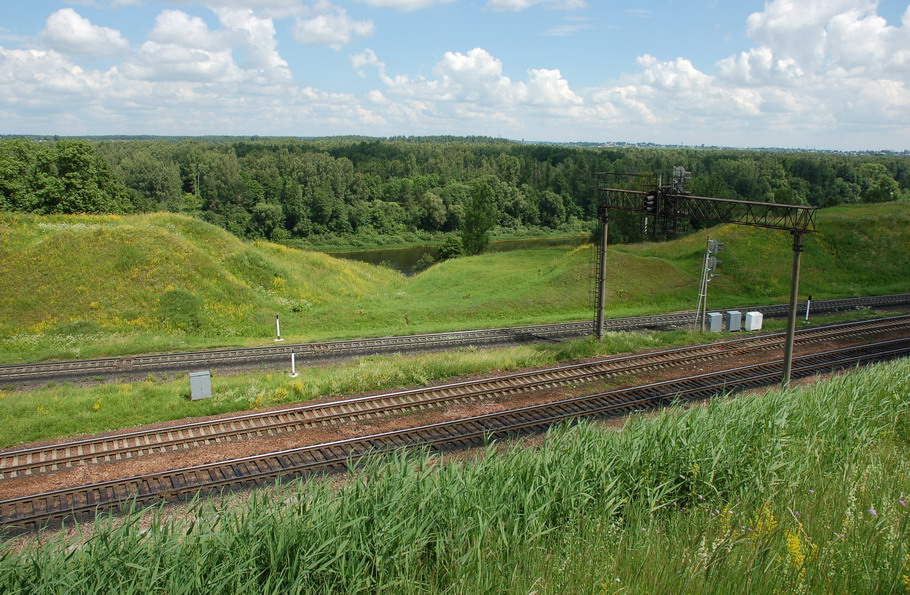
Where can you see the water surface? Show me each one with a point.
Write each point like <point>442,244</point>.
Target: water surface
<point>405,259</point>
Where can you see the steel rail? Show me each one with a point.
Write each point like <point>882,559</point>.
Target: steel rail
<point>174,437</point>
<point>12,374</point>
<point>36,510</point>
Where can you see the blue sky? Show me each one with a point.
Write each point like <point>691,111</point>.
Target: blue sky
<point>827,74</point>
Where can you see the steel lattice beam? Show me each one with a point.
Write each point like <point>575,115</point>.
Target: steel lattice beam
<point>672,207</point>
<point>792,218</point>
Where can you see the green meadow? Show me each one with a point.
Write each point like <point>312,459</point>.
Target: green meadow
<point>85,286</point>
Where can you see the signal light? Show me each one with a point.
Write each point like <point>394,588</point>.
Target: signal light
<point>650,203</point>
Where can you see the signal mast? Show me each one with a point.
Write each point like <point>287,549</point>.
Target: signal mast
<point>669,209</point>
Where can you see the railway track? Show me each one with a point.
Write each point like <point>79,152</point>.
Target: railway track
<point>134,366</point>
<point>175,437</point>
<point>30,512</point>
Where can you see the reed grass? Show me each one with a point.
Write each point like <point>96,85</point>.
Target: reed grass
<point>802,491</point>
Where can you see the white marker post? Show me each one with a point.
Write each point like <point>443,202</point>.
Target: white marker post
<point>278,329</point>
<point>294,373</point>
<point>808,304</point>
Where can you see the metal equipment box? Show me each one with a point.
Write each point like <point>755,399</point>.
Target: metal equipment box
<point>715,322</point>
<point>753,321</point>
<point>200,385</point>
<point>734,320</point>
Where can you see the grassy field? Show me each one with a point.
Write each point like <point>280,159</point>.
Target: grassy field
<point>799,491</point>
<point>80,286</point>
<point>62,410</point>
<point>66,410</point>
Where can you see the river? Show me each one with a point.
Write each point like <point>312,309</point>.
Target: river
<point>405,259</point>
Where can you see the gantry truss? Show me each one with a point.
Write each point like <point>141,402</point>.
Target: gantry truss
<point>669,209</point>
<point>672,208</point>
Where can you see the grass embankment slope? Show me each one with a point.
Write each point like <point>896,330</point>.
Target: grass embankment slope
<point>74,286</point>
<point>801,491</point>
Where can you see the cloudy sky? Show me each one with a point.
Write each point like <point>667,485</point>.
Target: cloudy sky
<point>826,74</point>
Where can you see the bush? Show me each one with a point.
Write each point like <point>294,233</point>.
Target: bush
<point>425,262</point>
<point>451,248</point>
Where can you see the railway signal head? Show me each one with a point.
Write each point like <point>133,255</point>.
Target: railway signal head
<point>714,246</point>
<point>712,263</point>
<point>651,202</point>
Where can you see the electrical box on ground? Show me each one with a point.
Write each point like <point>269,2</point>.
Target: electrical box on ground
<point>734,320</point>
<point>753,321</point>
<point>715,322</point>
<point>200,385</point>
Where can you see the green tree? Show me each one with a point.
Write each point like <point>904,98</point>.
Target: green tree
<point>265,219</point>
<point>479,217</point>
<point>73,178</point>
<point>156,181</point>
<point>876,183</point>
<point>17,167</point>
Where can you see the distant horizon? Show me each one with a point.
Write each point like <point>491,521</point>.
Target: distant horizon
<point>455,137</point>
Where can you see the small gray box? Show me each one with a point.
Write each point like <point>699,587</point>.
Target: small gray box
<point>200,385</point>
<point>715,322</point>
<point>734,320</point>
<point>753,321</point>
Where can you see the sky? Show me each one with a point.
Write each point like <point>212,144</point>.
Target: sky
<point>801,74</point>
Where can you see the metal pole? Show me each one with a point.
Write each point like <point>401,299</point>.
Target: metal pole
<point>294,373</point>
<point>278,329</point>
<point>602,275</point>
<point>791,317</point>
<point>702,308</point>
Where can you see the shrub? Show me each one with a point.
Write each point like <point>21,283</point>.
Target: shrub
<point>425,262</point>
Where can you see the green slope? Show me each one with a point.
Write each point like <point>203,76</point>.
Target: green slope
<point>78,286</point>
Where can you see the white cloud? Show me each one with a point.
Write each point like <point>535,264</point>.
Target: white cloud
<point>38,78</point>
<point>105,3</point>
<point>470,92</point>
<point>834,37</point>
<point>758,66</point>
<point>405,5</point>
<point>517,5</point>
<point>268,8</point>
<point>334,30</point>
<point>171,62</point>
<point>67,31</point>
<point>367,58</point>
<point>178,28</point>
<point>257,36</point>
<point>183,48</point>
<point>547,87</point>
<point>836,59</point>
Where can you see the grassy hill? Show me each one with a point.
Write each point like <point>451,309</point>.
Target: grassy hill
<point>80,286</point>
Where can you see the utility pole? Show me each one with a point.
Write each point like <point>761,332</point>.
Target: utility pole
<point>602,273</point>
<point>709,265</point>
<point>791,317</point>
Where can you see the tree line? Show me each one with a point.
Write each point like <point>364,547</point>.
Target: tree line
<point>286,189</point>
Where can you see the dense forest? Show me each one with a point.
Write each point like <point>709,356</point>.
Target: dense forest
<point>290,189</point>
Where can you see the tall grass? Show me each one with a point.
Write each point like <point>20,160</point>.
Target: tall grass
<point>796,491</point>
